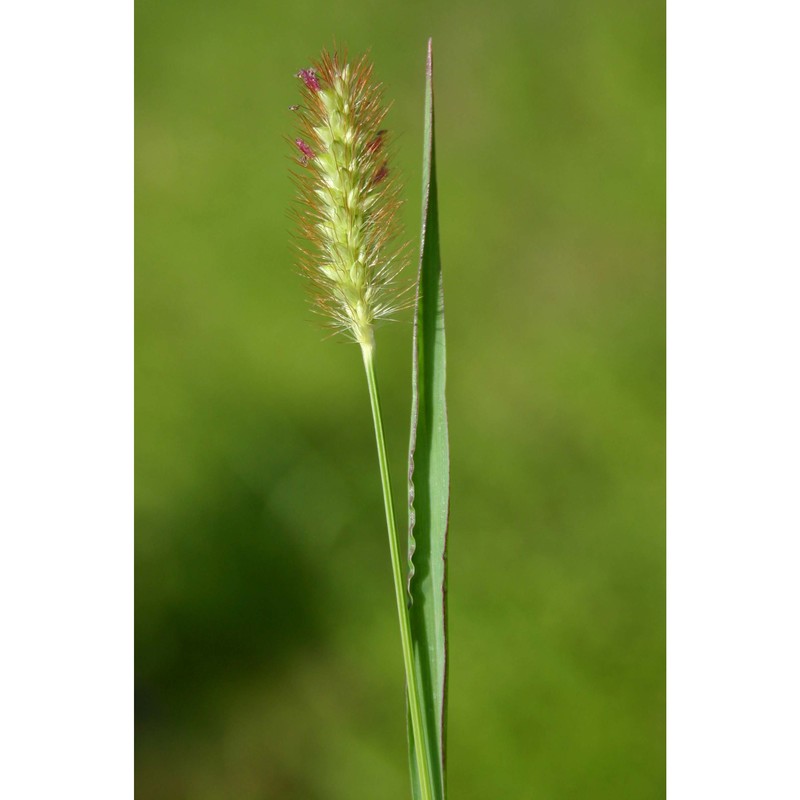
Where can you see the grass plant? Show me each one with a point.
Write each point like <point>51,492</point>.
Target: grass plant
<point>351,250</point>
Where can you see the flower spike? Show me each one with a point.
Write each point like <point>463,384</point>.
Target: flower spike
<point>347,210</point>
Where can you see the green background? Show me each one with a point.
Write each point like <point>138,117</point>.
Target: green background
<point>268,660</point>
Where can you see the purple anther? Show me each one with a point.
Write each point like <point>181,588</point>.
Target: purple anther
<point>381,173</point>
<point>309,78</point>
<point>304,148</point>
<point>375,145</point>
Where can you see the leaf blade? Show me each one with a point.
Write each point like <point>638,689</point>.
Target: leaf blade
<point>429,471</point>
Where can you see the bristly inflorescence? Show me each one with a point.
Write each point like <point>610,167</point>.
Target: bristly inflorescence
<point>348,197</point>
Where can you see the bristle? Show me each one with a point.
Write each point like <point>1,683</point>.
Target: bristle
<point>347,201</point>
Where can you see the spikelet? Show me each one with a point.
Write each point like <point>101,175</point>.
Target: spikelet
<point>348,198</point>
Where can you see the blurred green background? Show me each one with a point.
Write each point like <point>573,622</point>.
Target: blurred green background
<point>268,661</point>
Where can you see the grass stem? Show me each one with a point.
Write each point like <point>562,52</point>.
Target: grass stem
<point>412,686</point>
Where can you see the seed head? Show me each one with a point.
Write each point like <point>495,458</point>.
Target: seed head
<point>348,198</point>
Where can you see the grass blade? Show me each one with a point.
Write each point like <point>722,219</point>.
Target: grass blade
<point>429,472</point>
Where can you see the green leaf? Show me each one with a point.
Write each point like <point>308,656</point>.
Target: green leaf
<point>429,474</point>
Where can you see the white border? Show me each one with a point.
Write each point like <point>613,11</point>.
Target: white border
<point>66,403</point>
<point>733,401</point>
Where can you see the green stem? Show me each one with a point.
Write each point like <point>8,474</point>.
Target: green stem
<point>412,684</point>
